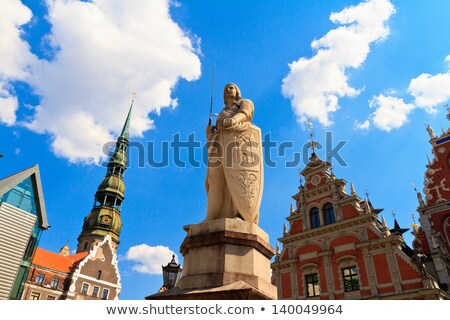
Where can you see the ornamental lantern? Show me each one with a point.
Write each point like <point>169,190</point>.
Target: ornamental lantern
<point>171,274</point>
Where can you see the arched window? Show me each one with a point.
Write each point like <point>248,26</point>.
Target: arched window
<point>328,212</point>
<point>314,218</point>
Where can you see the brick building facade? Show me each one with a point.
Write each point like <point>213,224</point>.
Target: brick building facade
<point>337,246</point>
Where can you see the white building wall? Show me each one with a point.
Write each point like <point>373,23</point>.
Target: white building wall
<point>16,227</point>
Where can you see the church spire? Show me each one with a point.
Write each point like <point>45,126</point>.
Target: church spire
<point>125,134</point>
<point>104,218</point>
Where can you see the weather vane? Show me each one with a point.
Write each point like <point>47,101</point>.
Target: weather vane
<point>393,213</point>
<point>448,112</point>
<point>312,143</point>
<point>366,193</point>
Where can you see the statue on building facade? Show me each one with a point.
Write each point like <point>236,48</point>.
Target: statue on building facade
<point>430,131</point>
<point>234,179</point>
<point>419,259</point>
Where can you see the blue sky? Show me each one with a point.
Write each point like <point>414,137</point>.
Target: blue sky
<point>369,72</point>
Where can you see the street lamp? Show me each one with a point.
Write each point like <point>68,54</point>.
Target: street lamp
<point>171,274</point>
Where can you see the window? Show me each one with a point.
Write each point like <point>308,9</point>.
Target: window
<point>105,294</point>
<point>85,288</point>
<point>35,296</point>
<point>351,279</point>
<point>312,285</point>
<point>95,291</point>
<point>109,201</point>
<point>40,278</point>
<point>51,298</point>
<point>328,211</point>
<point>99,274</point>
<point>32,243</point>
<point>55,283</point>
<point>85,245</point>
<point>22,196</point>
<point>314,217</point>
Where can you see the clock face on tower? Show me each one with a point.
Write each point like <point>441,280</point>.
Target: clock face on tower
<point>106,220</point>
<point>315,180</point>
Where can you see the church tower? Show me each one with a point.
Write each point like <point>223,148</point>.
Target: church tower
<point>92,273</point>
<point>104,218</point>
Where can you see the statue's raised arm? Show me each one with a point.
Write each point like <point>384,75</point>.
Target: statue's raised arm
<point>234,179</point>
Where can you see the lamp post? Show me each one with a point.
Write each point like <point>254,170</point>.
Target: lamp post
<point>171,274</point>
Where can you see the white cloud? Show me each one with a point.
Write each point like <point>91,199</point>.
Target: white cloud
<point>430,90</point>
<point>315,85</point>
<point>104,51</point>
<point>14,52</point>
<point>15,56</point>
<point>8,105</point>
<point>149,259</point>
<point>362,126</point>
<point>390,113</point>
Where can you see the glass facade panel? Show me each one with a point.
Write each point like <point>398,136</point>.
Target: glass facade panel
<point>22,196</point>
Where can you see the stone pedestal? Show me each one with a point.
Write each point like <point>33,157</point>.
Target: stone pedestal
<point>224,259</point>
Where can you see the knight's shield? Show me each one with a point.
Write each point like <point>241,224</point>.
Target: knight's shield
<point>243,168</point>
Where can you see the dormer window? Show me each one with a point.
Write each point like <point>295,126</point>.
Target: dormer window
<point>40,278</point>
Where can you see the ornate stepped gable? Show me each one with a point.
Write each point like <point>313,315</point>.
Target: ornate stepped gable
<point>86,275</point>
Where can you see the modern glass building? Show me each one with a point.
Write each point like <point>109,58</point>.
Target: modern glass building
<point>22,220</point>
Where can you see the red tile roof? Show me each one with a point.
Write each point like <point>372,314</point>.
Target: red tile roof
<point>54,261</point>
